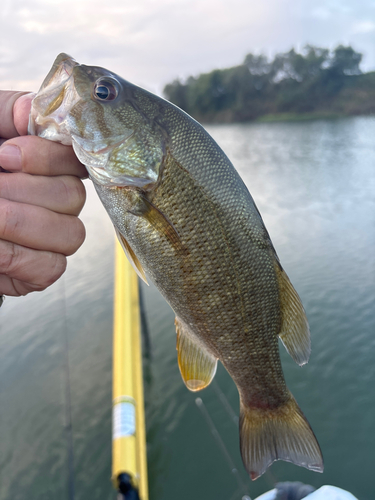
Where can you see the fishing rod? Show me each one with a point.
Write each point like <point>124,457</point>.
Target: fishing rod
<point>241,486</point>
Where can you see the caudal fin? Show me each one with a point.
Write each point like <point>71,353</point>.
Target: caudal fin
<point>279,434</point>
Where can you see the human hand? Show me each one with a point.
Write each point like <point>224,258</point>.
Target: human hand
<point>40,200</point>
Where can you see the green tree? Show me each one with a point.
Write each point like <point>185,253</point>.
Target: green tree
<point>299,66</point>
<point>257,65</point>
<point>176,92</point>
<point>311,80</point>
<point>345,61</point>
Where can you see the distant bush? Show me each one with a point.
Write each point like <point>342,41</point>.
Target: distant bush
<point>314,81</point>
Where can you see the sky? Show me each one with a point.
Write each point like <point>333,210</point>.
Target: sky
<point>152,42</point>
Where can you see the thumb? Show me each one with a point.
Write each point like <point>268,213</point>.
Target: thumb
<point>14,113</point>
<point>21,111</point>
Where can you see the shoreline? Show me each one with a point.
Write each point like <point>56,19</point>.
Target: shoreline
<point>287,117</point>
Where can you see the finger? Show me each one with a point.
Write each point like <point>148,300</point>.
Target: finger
<point>11,102</point>
<point>38,156</point>
<point>21,112</point>
<point>39,228</point>
<point>64,194</point>
<point>23,270</point>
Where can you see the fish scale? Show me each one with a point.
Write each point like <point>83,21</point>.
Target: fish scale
<point>188,223</point>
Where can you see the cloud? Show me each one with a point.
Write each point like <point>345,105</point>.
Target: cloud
<point>363,27</point>
<point>321,13</point>
<point>151,42</point>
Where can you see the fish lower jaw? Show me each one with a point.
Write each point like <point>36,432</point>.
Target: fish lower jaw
<point>50,129</point>
<point>53,133</point>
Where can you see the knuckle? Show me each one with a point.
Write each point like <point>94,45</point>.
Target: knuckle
<point>37,155</point>
<point>29,154</point>
<point>4,185</point>
<point>10,219</point>
<point>9,258</point>
<point>50,158</point>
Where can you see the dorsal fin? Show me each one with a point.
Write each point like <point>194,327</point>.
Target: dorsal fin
<point>295,332</point>
<point>132,258</point>
<point>197,365</point>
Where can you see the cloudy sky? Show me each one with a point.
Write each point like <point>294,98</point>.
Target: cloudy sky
<point>151,42</point>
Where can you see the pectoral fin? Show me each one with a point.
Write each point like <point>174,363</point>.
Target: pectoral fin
<point>295,332</point>
<point>197,365</point>
<point>132,258</point>
<point>162,224</point>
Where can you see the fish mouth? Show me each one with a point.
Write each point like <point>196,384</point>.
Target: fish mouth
<point>56,96</point>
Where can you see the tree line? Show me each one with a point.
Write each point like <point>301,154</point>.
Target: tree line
<point>315,81</point>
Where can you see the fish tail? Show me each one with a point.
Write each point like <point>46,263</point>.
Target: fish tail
<point>283,433</point>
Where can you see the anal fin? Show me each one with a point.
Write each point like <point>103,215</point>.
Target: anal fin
<point>197,365</point>
<point>295,332</point>
<point>132,258</point>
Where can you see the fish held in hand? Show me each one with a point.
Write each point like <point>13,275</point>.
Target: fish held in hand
<point>187,221</point>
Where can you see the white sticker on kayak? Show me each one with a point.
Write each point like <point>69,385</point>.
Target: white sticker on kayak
<point>123,419</point>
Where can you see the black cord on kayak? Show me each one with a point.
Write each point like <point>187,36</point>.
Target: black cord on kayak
<point>126,489</point>
<point>2,297</point>
<point>144,326</point>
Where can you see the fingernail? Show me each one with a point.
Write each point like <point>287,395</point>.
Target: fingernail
<point>10,157</point>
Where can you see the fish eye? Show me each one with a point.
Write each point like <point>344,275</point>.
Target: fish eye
<point>105,90</point>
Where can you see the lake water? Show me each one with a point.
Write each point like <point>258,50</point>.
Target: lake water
<point>314,183</point>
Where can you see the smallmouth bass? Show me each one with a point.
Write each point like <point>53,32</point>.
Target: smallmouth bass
<point>187,221</point>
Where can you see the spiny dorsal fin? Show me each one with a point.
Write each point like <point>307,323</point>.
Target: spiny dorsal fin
<point>197,365</point>
<point>295,332</point>
<point>132,258</point>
